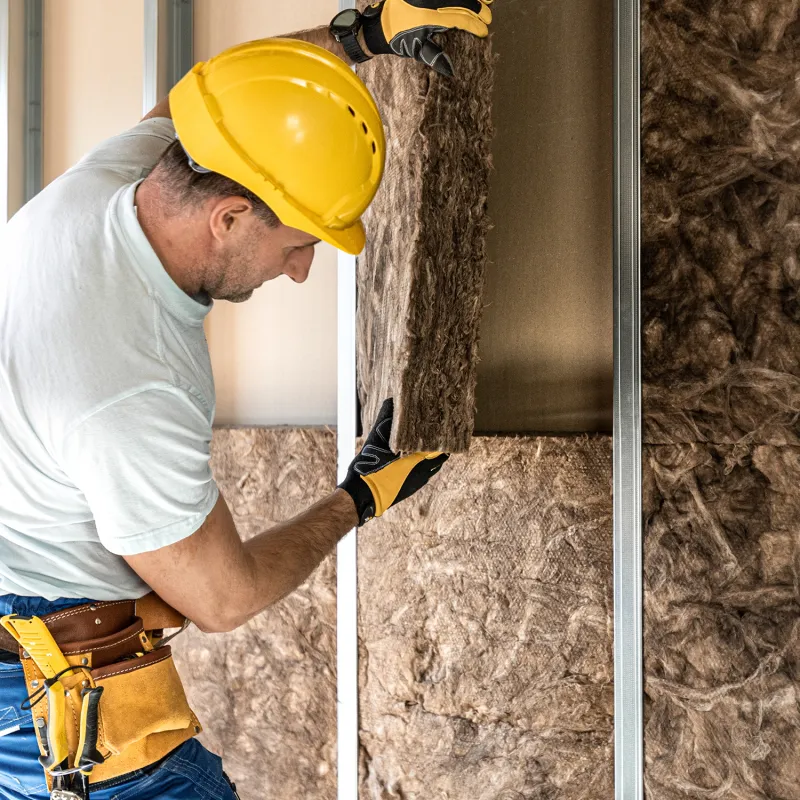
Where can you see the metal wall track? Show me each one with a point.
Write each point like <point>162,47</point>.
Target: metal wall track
<point>347,551</point>
<point>168,47</point>
<point>5,46</point>
<point>34,24</point>
<point>628,527</point>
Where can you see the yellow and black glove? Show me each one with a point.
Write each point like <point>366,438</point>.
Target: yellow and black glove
<point>405,27</point>
<point>378,478</point>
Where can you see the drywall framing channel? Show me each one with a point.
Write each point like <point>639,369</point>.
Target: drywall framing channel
<point>628,705</point>
<point>33,98</point>
<point>150,85</point>
<point>168,47</point>
<point>347,550</point>
<point>5,58</point>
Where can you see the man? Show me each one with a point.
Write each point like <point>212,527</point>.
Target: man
<point>111,525</point>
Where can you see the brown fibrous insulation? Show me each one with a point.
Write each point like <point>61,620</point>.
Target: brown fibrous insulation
<point>266,693</point>
<point>485,619</point>
<point>721,221</point>
<point>421,277</point>
<point>722,622</point>
<point>721,337</point>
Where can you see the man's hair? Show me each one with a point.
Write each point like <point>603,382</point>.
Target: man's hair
<point>192,187</point>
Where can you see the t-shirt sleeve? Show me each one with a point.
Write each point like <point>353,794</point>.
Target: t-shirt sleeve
<point>142,463</point>
<point>132,154</point>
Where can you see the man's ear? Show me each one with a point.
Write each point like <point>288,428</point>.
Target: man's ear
<point>226,214</point>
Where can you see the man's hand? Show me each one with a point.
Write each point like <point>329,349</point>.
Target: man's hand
<point>406,27</point>
<point>378,478</point>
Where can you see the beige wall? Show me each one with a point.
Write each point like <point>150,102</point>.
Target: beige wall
<point>93,65</point>
<point>275,356</point>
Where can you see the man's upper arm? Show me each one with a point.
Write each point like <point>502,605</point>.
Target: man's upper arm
<point>201,575</point>
<point>142,463</point>
<point>161,109</point>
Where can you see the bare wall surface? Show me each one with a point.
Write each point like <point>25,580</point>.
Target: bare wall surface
<point>93,74</point>
<point>274,357</point>
<point>266,693</point>
<point>485,625</point>
<point>546,337</point>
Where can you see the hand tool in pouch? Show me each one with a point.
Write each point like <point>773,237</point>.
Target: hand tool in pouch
<point>36,640</point>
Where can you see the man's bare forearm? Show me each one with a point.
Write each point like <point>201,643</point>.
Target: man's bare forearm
<point>282,558</point>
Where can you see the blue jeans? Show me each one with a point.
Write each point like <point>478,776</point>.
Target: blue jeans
<point>190,772</point>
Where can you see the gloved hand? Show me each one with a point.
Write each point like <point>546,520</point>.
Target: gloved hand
<point>405,27</point>
<point>378,478</point>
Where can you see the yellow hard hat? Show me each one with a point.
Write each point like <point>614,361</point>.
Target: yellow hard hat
<point>293,124</point>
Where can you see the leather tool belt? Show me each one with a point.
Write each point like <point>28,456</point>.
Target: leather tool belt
<point>116,657</point>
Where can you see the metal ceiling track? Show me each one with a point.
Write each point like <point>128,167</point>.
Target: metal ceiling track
<point>628,525</point>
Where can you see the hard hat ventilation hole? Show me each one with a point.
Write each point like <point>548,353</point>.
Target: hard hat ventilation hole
<point>351,110</point>
<point>364,127</point>
<point>374,148</point>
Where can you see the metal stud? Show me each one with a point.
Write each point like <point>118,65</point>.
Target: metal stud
<point>98,621</point>
<point>34,684</point>
<point>40,723</point>
<point>85,684</point>
<point>85,662</point>
<point>26,654</point>
<point>92,608</point>
<point>197,729</point>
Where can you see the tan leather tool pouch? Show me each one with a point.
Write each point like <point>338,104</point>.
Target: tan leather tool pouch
<point>144,713</point>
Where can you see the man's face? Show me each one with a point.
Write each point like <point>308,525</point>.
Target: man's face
<point>247,253</point>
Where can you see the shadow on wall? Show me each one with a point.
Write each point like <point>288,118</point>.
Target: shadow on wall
<point>541,397</point>
<point>546,340</point>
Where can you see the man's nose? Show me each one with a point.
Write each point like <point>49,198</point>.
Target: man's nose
<point>300,265</point>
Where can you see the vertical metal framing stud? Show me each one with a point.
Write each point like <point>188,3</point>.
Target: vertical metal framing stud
<point>180,24</point>
<point>33,97</point>
<point>347,551</point>
<point>168,47</point>
<point>150,88</point>
<point>5,55</point>
<point>628,525</point>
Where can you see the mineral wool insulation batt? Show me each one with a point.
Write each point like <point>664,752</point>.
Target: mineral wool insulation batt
<point>721,339</point>
<point>485,629</point>
<point>421,277</point>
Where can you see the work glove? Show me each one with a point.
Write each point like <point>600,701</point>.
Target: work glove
<point>378,478</point>
<point>405,27</point>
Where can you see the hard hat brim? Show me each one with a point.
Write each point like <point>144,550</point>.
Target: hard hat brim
<point>350,240</point>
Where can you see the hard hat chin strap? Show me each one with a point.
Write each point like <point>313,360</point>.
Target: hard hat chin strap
<point>195,166</point>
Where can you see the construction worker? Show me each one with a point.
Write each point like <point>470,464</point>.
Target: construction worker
<point>112,529</point>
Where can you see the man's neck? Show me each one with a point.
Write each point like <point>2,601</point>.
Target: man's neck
<point>173,238</point>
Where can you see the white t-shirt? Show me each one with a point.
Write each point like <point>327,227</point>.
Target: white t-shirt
<point>106,391</point>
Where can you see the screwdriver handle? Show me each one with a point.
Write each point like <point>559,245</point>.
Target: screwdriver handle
<point>88,755</point>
